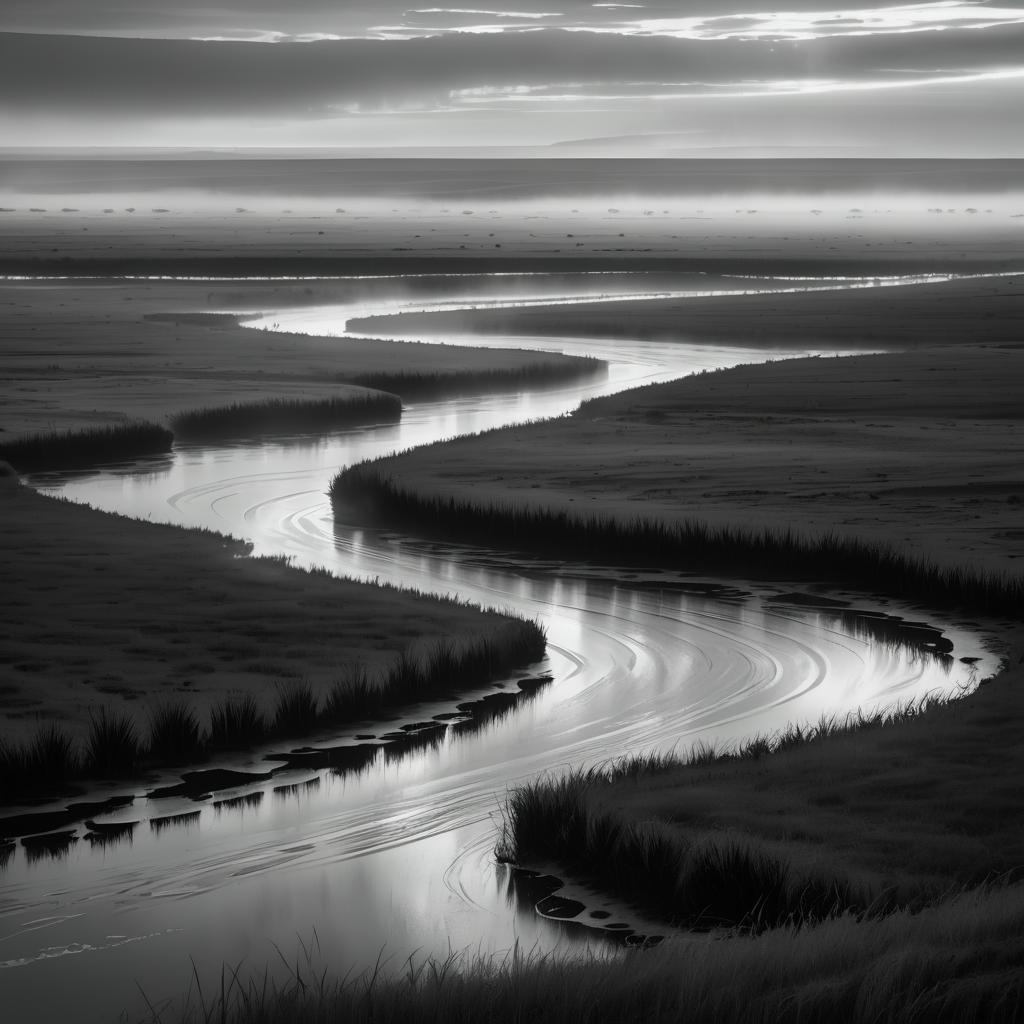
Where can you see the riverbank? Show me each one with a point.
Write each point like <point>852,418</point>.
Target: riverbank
<point>111,616</point>
<point>918,452</point>
<point>863,818</point>
<point>86,354</point>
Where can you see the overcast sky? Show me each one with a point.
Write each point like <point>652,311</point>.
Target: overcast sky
<point>703,77</point>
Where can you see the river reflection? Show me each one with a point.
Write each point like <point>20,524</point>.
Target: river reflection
<point>396,855</point>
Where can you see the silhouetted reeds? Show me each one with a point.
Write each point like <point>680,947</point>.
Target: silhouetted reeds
<point>112,745</point>
<point>419,386</point>
<point>72,449</point>
<point>288,415</point>
<point>237,723</point>
<point>689,545</point>
<point>295,710</point>
<point>46,760</point>
<point>175,735</point>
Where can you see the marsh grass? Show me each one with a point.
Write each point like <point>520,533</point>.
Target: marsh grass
<point>956,962</point>
<point>295,710</point>
<point>354,695</point>
<point>53,758</point>
<point>49,758</point>
<point>175,735</point>
<point>237,723</point>
<point>112,745</point>
<point>70,449</point>
<point>419,386</point>
<point>689,545</point>
<point>697,878</point>
<point>284,415</point>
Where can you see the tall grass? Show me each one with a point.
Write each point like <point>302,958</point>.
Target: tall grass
<point>296,709</point>
<point>284,415</point>
<point>52,759</point>
<point>687,545</point>
<point>71,449</point>
<point>957,962</point>
<point>175,735</point>
<point>411,385</point>
<point>48,759</point>
<point>112,745</point>
<point>236,723</point>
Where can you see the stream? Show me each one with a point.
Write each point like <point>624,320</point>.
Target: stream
<point>396,860</point>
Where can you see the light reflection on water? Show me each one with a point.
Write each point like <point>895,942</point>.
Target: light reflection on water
<point>397,857</point>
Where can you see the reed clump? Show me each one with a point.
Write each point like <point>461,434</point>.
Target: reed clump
<point>296,709</point>
<point>72,449</point>
<point>237,723</point>
<point>175,734</point>
<point>421,386</point>
<point>288,415</point>
<point>689,545</point>
<point>112,745</point>
<point>49,758</point>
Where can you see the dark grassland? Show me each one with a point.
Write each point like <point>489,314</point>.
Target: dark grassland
<point>54,758</point>
<point>106,674</point>
<point>75,449</point>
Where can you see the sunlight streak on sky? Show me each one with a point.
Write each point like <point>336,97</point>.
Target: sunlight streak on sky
<point>923,77</point>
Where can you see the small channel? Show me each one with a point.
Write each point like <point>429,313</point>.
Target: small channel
<point>394,858</point>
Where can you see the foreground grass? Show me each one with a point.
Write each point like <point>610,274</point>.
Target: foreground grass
<point>955,962</point>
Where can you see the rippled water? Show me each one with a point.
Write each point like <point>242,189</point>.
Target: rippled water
<point>398,858</point>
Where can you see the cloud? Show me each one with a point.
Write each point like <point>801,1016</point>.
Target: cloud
<point>277,19</point>
<point>89,74</point>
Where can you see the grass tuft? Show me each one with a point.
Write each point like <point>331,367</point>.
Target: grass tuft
<point>296,709</point>
<point>174,733</point>
<point>49,758</point>
<point>236,723</point>
<point>112,746</point>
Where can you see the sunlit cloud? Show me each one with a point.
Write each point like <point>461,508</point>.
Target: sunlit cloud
<point>805,25</point>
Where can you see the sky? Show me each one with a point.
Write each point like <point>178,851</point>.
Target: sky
<point>687,78</point>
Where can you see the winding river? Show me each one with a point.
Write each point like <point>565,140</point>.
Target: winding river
<point>396,860</point>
